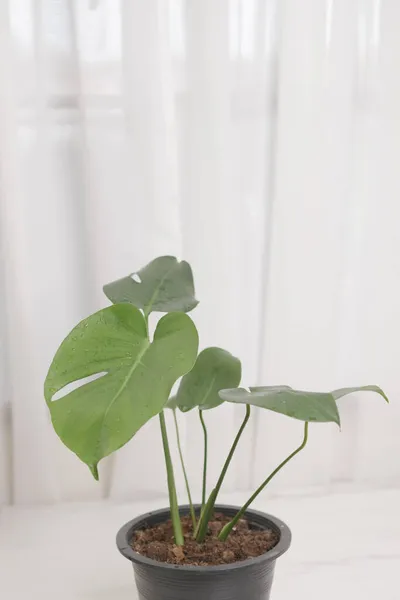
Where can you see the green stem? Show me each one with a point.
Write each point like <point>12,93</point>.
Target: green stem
<point>146,320</point>
<point>208,510</point>
<point>173,501</point>
<point>204,488</point>
<point>178,441</point>
<point>232,450</point>
<point>225,531</point>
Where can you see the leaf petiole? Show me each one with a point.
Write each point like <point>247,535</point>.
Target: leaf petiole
<point>178,442</point>
<point>209,507</point>
<point>173,501</point>
<point>225,531</point>
<point>204,486</point>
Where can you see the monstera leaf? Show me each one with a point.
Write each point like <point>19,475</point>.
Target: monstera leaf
<point>306,406</point>
<point>135,377</point>
<point>164,285</point>
<point>214,370</point>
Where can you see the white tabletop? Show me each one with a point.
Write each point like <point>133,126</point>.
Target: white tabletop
<point>344,546</point>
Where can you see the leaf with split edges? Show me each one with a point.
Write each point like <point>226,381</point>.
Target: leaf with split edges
<point>135,377</point>
<point>164,285</point>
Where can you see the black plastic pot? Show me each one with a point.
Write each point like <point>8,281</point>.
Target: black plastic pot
<point>245,580</point>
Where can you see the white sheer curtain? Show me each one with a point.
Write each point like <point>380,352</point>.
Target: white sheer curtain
<point>259,139</point>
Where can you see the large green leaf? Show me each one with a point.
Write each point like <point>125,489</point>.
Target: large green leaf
<point>135,377</point>
<point>164,285</point>
<point>214,370</point>
<point>306,406</point>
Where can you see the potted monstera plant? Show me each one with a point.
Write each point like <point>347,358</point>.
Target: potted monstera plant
<point>123,375</point>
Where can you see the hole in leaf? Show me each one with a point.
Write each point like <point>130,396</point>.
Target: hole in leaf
<point>136,278</point>
<point>70,387</point>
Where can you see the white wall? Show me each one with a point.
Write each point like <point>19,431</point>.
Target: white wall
<point>256,139</point>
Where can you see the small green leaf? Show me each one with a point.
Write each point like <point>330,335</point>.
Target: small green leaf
<point>214,370</point>
<point>134,381</point>
<point>306,406</point>
<point>164,285</point>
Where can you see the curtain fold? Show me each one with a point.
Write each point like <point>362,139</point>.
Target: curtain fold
<point>258,140</point>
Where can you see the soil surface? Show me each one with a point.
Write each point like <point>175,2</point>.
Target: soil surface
<point>244,542</point>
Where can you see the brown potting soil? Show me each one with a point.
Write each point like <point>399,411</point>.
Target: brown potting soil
<point>157,542</point>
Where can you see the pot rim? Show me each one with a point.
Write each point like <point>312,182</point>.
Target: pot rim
<point>124,536</point>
